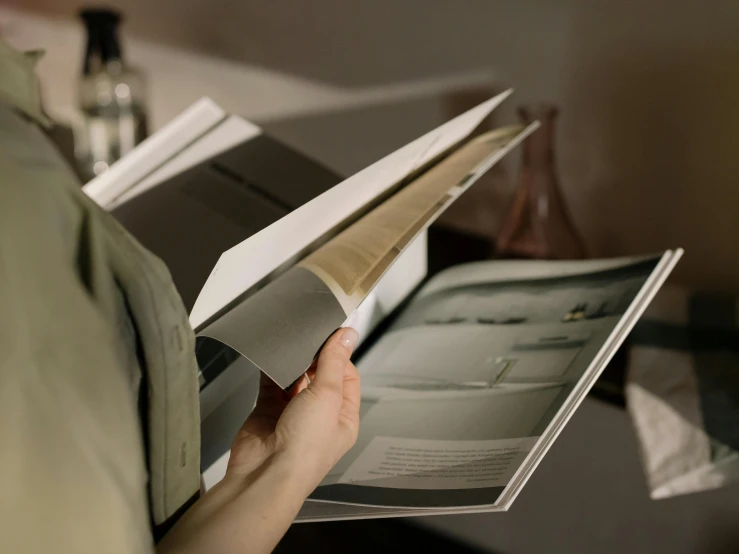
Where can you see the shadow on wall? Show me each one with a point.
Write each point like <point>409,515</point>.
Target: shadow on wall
<point>665,137</point>
<point>350,139</point>
<point>348,44</point>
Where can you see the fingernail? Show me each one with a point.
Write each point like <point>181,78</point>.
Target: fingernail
<point>349,338</point>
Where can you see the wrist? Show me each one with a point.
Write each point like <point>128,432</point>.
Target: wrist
<point>281,470</point>
<point>297,473</point>
<point>308,465</point>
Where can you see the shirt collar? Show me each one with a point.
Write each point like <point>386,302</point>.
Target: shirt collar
<point>19,84</point>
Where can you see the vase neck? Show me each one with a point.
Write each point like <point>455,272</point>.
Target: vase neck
<point>538,150</point>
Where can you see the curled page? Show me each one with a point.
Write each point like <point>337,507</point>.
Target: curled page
<point>281,327</point>
<point>245,266</point>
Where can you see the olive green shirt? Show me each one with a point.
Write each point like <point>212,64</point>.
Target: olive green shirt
<point>99,412</point>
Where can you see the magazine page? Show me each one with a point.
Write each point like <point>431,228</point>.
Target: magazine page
<point>227,195</point>
<point>475,370</point>
<point>244,268</point>
<point>281,327</point>
<point>228,134</point>
<point>188,127</point>
<point>352,263</point>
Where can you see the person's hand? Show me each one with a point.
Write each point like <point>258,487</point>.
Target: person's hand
<point>315,427</point>
<point>282,452</point>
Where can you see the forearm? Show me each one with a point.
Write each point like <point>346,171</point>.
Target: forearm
<point>243,513</point>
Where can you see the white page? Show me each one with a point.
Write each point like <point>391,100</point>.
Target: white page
<point>246,264</point>
<point>231,132</point>
<point>154,151</point>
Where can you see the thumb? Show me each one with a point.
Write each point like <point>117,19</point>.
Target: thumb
<point>333,359</point>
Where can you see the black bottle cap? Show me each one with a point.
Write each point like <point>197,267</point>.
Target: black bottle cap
<point>102,36</point>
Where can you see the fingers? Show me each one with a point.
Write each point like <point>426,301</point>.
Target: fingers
<point>351,391</point>
<point>268,389</point>
<point>349,413</point>
<point>333,360</point>
<point>271,399</point>
<point>301,385</point>
<point>311,374</point>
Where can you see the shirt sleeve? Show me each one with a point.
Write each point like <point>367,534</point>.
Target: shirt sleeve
<point>73,474</point>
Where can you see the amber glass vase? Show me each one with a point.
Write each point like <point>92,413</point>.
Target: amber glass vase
<point>538,224</point>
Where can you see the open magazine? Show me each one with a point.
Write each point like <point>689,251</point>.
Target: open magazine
<point>471,383</point>
<point>466,381</point>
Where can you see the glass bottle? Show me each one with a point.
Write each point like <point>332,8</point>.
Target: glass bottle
<point>538,224</point>
<point>111,97</point>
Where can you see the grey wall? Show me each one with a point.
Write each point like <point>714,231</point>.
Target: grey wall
<point>648,89</point>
